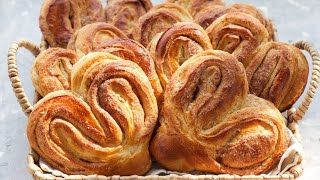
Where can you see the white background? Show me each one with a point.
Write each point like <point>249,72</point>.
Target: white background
<point>296,20</point>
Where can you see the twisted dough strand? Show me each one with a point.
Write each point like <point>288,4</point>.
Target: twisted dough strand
<point>278,72</point>
<point>158,19</point>
<point>89,37</point>
<point>133,51</point>
<point>51,70</point>
<point>108,132</point>
<point>210,123</point>
<point>125,13</point>
<point>237,33</point>
<point>59,19</point>
<point>174,46</point>
<point>211,13</point>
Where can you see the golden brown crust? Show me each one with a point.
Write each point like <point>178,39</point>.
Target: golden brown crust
<point>86,39</point>
<point>211,13</point>
<point>253,11</point>
<point>85,63</point>
<point>108,133</point>
<point>278,72</point>
<point>196,6</point>
<point>51,70</point>
<point>133,51</point>
<point>237,33</point>
<point>59,19</point>
<point>174,46</point>
<point>158,19</point>
<point>124,14</point>
<point>210,123</point>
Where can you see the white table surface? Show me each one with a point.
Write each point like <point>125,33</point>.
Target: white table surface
<point>296,20</point>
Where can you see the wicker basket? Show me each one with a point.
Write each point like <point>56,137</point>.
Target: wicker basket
<point>293,116</point>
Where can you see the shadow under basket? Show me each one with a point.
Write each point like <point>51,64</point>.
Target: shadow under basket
<point>293,116</point>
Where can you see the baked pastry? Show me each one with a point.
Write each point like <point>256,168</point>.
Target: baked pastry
<point>237,33</point>
<point>51,70</point>
<point>158,19</point>
<point>108,133</point>
<point>253,11</point>
<point>278,72</point>
<point>209,14</point>
<point>133,51</point>
<point>174,46</point>
<point>59,19</point>
<point>125,13</point>
<point>196,6</point>
<point>210,123</point>
<point>87,38</point>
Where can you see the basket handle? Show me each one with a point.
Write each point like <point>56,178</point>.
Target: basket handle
<point>298,114</point>
<point>14,76</point>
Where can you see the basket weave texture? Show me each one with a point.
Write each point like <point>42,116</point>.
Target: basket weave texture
<point>293,116</point>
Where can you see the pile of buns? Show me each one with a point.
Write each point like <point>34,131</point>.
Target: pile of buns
<point>195,84</point>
